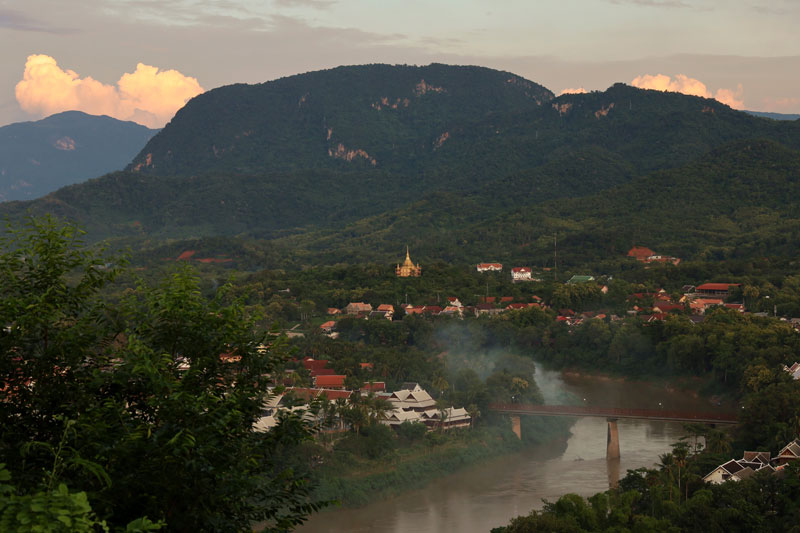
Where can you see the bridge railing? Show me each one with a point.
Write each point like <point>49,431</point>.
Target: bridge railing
<point>611,412</point>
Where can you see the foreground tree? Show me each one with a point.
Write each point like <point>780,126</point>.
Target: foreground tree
<point>147,406</point>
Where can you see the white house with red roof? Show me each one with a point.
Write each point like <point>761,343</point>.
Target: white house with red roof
<point>489,267</point>
<point>521,274</point>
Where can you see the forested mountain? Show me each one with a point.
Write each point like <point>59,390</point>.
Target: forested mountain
<point>737,201</point>
<point>39,157</point>
<point>462,163</point>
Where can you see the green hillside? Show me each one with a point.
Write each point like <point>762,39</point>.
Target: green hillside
<point>603,170</point>
<point>740,200</point>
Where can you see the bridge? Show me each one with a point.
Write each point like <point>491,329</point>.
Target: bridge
<point>609,413</point>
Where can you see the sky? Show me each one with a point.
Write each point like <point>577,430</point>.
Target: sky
<point>141,60</point>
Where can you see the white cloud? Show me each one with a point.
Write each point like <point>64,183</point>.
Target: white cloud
<point>147,96</point>
<point>579,90</point>
<point>686,85</point>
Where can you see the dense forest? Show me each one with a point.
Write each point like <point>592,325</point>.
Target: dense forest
<point>335,167</point>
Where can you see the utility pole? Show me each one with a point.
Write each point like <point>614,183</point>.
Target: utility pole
<point>555,255</point>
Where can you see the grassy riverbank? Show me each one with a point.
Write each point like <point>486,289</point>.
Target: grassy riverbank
<point>356,475</point>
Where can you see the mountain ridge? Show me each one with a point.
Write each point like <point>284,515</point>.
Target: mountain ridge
<point>38,157</point>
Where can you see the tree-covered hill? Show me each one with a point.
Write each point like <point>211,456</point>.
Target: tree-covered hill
<point>381,116</point>
<point>739,200</point>
<point>39,157</point>
<point>603,170</point>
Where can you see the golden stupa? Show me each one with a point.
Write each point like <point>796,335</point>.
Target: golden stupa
<point>408,269</point>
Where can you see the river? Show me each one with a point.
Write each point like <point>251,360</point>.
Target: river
<point>488,495</point>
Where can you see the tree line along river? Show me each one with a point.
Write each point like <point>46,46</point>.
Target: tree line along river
<point>488,495</point>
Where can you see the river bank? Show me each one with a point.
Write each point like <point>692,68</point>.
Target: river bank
<point>354,482</point>
<point>492,490</point>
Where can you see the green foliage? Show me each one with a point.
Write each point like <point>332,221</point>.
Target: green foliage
<point>145,407</point>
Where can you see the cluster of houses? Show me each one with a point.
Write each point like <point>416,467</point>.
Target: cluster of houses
<point>411,403</point>
<point>488,305</point>
<point>517,273</point>
<point>752,462</point>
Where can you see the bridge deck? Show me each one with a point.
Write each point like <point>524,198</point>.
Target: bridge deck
<point>610,412</point>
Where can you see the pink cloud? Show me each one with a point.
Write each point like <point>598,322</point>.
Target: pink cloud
<point>579,90</point>
<point>147,96</point>
<point>686,85</point>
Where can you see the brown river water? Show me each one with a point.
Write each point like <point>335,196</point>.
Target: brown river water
<point>489,494</point>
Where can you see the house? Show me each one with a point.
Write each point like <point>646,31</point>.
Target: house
<point>730,471</point>
<point>699,306</point>
<point>735,307</point>
<point>453,301</point>
<point>580,279</point>
<point>417,400</point>
<point>789,453</point>
<point>640,253</point>
<point>327,327</point>
<point>373,315</point>
<point>646,255</point>
<point>521,274</point>
<point>315,367</point>
<point>794,370</point>
<point>414,309</point>
<point>335,381</point>
<point>453,418</point>
<point>517,306</point>
<point>356,308</point>
<point>487,309</point>
<point>452,310</point>
<point>715,289</point>
<point>506,299</point>
<point>388,309</point>
<point>334,311</point>
<point>408,269</point>
<point>489,267</point>
<point>664,307</point>
<point>432,310</point>
<point>374,386</point>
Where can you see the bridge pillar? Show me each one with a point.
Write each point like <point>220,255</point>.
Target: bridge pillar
<point>516,426</point>
<point>612,442</point>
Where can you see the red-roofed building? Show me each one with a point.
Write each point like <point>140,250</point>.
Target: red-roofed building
<point>366,365</point>
<point>433,309</point>
<point>663,307</point>
<point>414,309</point>
<point>488,299</point>
<point>640,253</point>
<point>335,381</point>
<point>490,267</point>
<point>328,326</point>
<point>375,386</point>
<point>506,299</point>
<point>736,307</point>
<point>715,289</point>
<point>517,306</point>
<point>334,311</point>
<point>355,308</point>
<point>316,367</point>
<point>309,394</point>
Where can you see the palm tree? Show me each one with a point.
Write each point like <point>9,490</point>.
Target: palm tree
<point>680,453</point>
<point>440,384</point>
<point>666,465</point>
<point>718,441</point>
<point>474,413</point>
